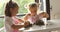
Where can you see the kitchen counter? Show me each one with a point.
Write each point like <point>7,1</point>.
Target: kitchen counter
<point>52,25</point>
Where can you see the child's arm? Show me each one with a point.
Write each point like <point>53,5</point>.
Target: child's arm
<point>14,26</point>
<point>20,26</point>
<point>44,15</point>
<point>21,20</point>
<point>17,26</point>
<point>26,17</point>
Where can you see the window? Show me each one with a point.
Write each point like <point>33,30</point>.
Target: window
<point>21,3</point>
<point>43,5</point>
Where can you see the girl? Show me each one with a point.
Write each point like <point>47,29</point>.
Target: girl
<point>33,16</point>
<point>11,21</point>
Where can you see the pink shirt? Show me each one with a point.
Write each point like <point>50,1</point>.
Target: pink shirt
<point>33,19</point>
<point>9,21</point>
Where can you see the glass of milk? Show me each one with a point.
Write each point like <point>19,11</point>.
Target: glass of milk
<point>44,20</point>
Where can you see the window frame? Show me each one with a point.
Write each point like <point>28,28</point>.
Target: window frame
<point>47,7</point>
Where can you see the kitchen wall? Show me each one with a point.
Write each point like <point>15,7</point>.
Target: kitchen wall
<point>55,11</point>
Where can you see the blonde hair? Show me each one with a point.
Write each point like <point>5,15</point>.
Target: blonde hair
<point>33,4</point>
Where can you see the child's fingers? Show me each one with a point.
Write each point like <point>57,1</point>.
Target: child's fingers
<point>26,23</point>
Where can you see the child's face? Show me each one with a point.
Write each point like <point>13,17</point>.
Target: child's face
<point>14,11</point>
<point>33,9</point>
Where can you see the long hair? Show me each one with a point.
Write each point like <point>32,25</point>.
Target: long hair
<point>9,5</point>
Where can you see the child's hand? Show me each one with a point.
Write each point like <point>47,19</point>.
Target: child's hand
<point>26,23</point>
<point>44,15</point>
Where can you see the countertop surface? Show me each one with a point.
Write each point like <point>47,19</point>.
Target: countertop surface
<point>52,25</point>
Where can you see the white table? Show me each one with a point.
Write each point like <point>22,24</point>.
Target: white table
<point>53,25</point>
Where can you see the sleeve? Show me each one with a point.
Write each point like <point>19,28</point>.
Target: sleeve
<point>8,21</point>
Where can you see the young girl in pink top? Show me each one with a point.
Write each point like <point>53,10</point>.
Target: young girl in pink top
<point>12,23</point>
